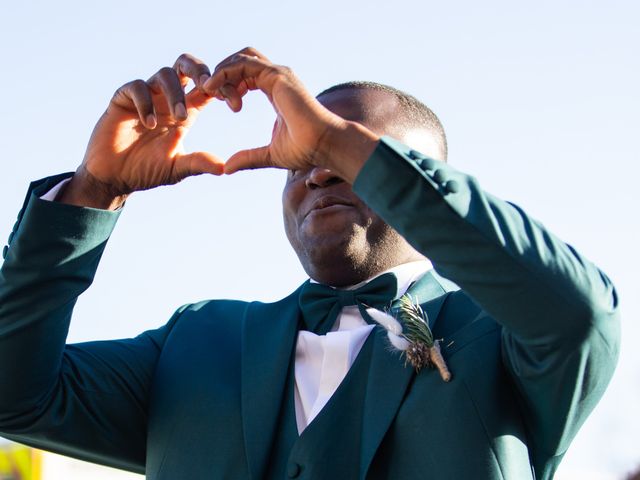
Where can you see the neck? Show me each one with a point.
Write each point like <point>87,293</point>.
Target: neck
<point>341,276</point>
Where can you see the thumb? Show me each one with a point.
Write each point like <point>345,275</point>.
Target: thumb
<point>248,159</point>
<point>197,163</point>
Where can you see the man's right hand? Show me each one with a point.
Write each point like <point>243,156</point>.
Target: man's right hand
<point>137,143</point>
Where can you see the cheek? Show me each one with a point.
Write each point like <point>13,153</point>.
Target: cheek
<point>291,230</point>
<point>376,227</point>
<point>290,205</point>
<point>369,216</point>
<point>293,194</point>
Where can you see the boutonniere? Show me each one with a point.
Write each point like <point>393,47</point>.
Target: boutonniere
<point>415,340</point>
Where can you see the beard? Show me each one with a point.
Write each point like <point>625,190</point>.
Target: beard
<point>352,255</point>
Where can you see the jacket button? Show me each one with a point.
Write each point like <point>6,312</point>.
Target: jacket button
<point>415,154</point>
<point>11,235</point>
<point>293,470</point>
<point>427,164</point>
<point>452,186</point>
<point>439,176</point>
<point>4,251</point>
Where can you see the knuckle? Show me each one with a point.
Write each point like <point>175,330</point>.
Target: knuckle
<point>242,56</point>
<point>283,70</point>
<point>184,57</point>
<point>164,72</point>
<point>273,70</point>
<point>137,84</point>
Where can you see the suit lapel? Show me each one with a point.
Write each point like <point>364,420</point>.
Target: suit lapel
<point>388,377</point>
<point>269,335</point>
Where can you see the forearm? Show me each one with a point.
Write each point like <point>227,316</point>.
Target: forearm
<point>559,312</point>
<point>87,400</point>
<point>51,260</point>
<point>525,277</point>
<point>84,190</point>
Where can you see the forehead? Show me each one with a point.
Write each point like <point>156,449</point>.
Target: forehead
<point>375,109</point>
<point>381,112</point>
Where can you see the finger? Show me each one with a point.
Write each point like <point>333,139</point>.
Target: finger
<point>137,94</point>
<point>232,97</point>
<point>167,83</point>
<point>248,51</point>
<point>241,69</point>
<point>196,99</point>
<point>189,67</point>
<point>197,163</point>
<point>248,160</point>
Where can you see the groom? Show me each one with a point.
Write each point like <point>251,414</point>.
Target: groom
<point>307,387</point>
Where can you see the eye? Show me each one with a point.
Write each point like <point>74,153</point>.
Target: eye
<point>297,174</point>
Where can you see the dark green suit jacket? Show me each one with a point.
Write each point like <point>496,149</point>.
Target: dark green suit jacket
<point>531,338</point>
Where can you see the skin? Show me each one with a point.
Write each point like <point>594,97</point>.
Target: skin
<point>137,145</point>
<point>338,239</point>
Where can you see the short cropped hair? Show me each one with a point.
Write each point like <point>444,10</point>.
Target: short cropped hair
<point>415,113</point>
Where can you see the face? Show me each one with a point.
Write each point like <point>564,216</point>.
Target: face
<point>338,239</point>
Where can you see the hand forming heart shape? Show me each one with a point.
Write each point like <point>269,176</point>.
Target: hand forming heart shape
<point>138,142</point>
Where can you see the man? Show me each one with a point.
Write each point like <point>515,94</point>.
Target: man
<point>306,387</point>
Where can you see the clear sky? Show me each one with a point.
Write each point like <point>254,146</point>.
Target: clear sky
<point>540,101</point>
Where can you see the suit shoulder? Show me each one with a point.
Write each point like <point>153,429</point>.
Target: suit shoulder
<point>231,306</point>
<point>212,304</point>
<point>458,311</point>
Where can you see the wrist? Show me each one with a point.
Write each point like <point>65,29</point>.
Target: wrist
<point>348,146</point>
<point>84,190</point>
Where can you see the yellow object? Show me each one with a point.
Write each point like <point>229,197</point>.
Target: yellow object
<point>18,462</point>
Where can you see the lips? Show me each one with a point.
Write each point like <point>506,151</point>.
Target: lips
<point>327,201</point>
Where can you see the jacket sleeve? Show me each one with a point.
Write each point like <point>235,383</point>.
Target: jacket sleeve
<point>559,312</point>
<point>86,400</point>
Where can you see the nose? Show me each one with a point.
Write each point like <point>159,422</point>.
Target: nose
<point>321,178</point>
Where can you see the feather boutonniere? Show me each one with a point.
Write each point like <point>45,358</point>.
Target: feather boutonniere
<point>415,340</point>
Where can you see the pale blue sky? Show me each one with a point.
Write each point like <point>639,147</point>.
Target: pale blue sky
<point>540,102</point>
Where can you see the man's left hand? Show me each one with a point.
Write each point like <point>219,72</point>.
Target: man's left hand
<point>305,134</point>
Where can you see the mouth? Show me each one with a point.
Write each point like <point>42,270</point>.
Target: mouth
<point>328,202</point>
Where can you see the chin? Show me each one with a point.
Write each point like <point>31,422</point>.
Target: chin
<point>333,261</point>
<point>322,251</point>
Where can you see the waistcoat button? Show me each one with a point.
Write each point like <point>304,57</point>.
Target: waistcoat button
<point>293,470</point>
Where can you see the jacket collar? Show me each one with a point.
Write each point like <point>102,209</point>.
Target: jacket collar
<point>269,336</point>
<point>389,378</point>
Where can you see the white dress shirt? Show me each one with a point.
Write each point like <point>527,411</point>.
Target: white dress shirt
<point>53,193</point>
<point>322,361</point>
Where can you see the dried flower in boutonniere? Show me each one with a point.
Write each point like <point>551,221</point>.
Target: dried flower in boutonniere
<point>423,350</point>
<point>415,340</point>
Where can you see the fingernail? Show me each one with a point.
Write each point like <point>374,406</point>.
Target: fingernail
<point>181,111</point>
<point>151,121</point>
<point>229,103</point>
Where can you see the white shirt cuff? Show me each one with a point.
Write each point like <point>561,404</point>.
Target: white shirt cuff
<point>53,193</point>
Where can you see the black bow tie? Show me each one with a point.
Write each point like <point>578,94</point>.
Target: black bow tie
<point>321,304</point>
